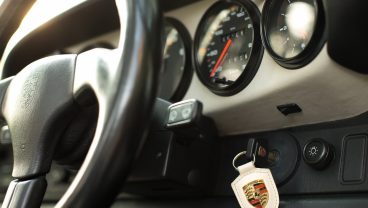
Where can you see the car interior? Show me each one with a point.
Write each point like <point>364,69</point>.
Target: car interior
<point>183,103</point>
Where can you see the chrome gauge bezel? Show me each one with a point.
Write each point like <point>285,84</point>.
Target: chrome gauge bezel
<point>255,57</point>
<point>313,48</point>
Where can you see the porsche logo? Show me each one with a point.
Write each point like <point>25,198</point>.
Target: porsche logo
<point>256,193</point>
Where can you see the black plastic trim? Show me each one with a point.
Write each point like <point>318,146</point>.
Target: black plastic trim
<point>25,193</point>
<point>347,33</point>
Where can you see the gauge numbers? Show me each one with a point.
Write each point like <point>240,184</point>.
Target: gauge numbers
<point>225,41</point>
<point>290,28</point>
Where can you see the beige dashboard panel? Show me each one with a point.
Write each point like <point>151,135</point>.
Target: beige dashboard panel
<point>323,89</point>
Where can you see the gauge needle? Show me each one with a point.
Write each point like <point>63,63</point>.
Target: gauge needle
<point>219,60</point>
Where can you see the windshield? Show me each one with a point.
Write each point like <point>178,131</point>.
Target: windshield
<point>44,10</point>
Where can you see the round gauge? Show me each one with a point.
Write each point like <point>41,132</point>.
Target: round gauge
<point>293,30</point>
<point>228,47</point>
<point>177,70</point>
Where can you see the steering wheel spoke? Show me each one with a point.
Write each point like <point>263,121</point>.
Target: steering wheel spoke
<point>36,106</point>
<point>27,193</point>
<point>96,70</point>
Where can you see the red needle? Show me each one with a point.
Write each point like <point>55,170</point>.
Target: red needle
<point>219,60</point>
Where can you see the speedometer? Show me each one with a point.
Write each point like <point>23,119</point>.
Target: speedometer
<point>228,47</point>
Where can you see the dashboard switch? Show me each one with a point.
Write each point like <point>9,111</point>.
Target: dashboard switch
<point>185,118</point>
<point>318,153</point>
<point>183,112</point>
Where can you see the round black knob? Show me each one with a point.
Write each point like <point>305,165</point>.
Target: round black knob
<point>318,153</point>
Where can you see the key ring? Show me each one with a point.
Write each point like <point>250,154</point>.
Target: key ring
<point>239,155</point>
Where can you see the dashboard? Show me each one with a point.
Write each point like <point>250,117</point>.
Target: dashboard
<point>273,78</point>
<point>261,69</point>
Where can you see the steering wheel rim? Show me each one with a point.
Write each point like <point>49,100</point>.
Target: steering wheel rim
<point>124,81</point>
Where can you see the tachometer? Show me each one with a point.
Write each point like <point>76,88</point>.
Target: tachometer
<point>227,47</point>
<point>292,30</point>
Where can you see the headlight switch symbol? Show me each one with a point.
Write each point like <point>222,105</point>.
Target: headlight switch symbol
<point>318,153</point>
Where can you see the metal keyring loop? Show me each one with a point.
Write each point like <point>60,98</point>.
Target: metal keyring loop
<point>241,154</point>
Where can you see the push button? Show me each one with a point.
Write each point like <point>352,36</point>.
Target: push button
<point>181,112</point>
<point>186,112</point>
<point>173,115</point>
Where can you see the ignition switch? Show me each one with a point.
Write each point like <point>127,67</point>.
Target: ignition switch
<point>258,149</point>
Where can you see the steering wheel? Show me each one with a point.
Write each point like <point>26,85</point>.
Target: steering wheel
<point>40,101</point>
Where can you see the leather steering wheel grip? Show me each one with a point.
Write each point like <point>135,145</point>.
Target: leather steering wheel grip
<point>38,102</point>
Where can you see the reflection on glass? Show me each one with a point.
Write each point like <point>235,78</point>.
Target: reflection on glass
<point>225,44</point>
<point>174,63</point>
<point>300,20</point>
<point>291,29</point>
<point>211,32</point>
<point>44,10</point>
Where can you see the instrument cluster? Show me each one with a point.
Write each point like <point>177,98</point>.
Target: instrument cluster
<point>230,39</point>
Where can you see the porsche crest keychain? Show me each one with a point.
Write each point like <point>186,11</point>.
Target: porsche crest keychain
<point>254,187</point>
